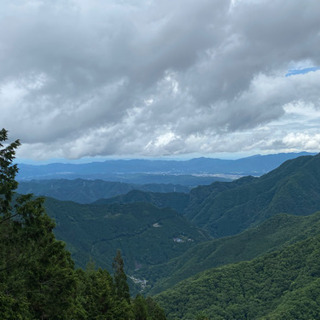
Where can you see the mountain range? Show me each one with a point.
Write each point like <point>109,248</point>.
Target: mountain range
<point>281,285</point>
<point>157,171</point>
<point>273,234</point>
<point>227,208</point>
<point>146,235</point>
<point>245,249</point>
<point>86,191</point>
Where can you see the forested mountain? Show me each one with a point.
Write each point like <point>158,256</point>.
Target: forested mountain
<point>37,276</point>
<point>273,234</point>
<point>86,191</point>
<point>160,247</point>
<point>175,200</point>
<point>146,235</point>
<point>229,208</point>
<point>277,286</point>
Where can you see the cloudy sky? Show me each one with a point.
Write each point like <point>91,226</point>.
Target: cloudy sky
<point>147,78</point>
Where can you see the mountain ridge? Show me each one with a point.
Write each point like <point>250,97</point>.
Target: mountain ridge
<point>256,165</point>
<point>229,208</point>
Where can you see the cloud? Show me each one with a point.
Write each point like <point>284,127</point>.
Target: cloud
<point>151,78</point>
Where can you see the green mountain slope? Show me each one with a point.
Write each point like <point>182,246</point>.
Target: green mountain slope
<point>229,208</point>
<point>146,235</point>
<point>175,200</point>
<point>276,232</point>
<point>87,191</point>
<point>280,285</point>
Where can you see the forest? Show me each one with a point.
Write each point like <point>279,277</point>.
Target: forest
<point>38,278</point>
<point>246,249</point>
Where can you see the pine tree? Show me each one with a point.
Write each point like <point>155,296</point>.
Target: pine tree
<point>140,308</point>
<point>120,278</point>
<point>8,172</point>
<point>36,272</point>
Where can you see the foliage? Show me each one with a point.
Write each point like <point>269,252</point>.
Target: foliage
<point>144,233</point>
<point>229,208</point>
<point>37,275</point>
<point>174,200</point>
<point>87,191</point>
<point>280,285</point>
<point>275,233</point>
<point>34,267</point>
<point>120,278</point>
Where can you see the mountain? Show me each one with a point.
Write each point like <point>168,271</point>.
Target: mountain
<point>229,208</point>
<point>175,200</point>
<point>146,171</point>
<point>145,234</point>
<point>86,191</point>
<point>271,235</point>
<point>277,286</point>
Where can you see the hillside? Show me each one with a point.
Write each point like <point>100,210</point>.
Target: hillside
<point>281,285</point>
<point>273,234</point>
<point>145,234</point>
<point>175,200</point>
<point>229,208</point>
<point>87,191</point>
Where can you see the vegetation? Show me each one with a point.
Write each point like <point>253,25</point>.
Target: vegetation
<point>276,286</point>
<point>37,275</point>
<point>174,200</point>
<point>38,279</point>
<point>275,233</point>
<point>87,191</point>
<point>226,209</point>
<point>146,235</point>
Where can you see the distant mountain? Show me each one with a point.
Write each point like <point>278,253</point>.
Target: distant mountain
<point>273,234</point>
<point>280,285</point>
<point>229,208</point>
<point>86,191</point>
<point>145,234</point>
<point>146,171</point>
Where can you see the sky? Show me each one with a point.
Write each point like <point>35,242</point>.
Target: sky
<point>172,78</point>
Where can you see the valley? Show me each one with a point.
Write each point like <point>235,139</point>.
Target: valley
<point>184,244</point>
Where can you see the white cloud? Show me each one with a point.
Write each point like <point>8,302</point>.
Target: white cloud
<point>85,78</point>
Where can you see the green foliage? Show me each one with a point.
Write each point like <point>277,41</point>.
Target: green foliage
<point>120,278</point>
<point>273,234</point>
<point>144,233</point>
<point>280,285</point>
<point>147,309</point>
<point>229,208</point>
<point>8,172</point>
<point>37,275</point>
<point>140,308</point>
<point>87,191</point>
<point>174,200</point>
<point>154,310</point>
<point>34,267</point>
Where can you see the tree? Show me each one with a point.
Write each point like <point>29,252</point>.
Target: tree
<point>154,311</point>
<point>37,275</point>
<point>36,272</point>
<point>120,278</point>
<point>140,308</point>
<point>8,172</point>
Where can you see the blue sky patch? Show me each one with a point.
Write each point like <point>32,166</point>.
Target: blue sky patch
<point>301,71</point>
